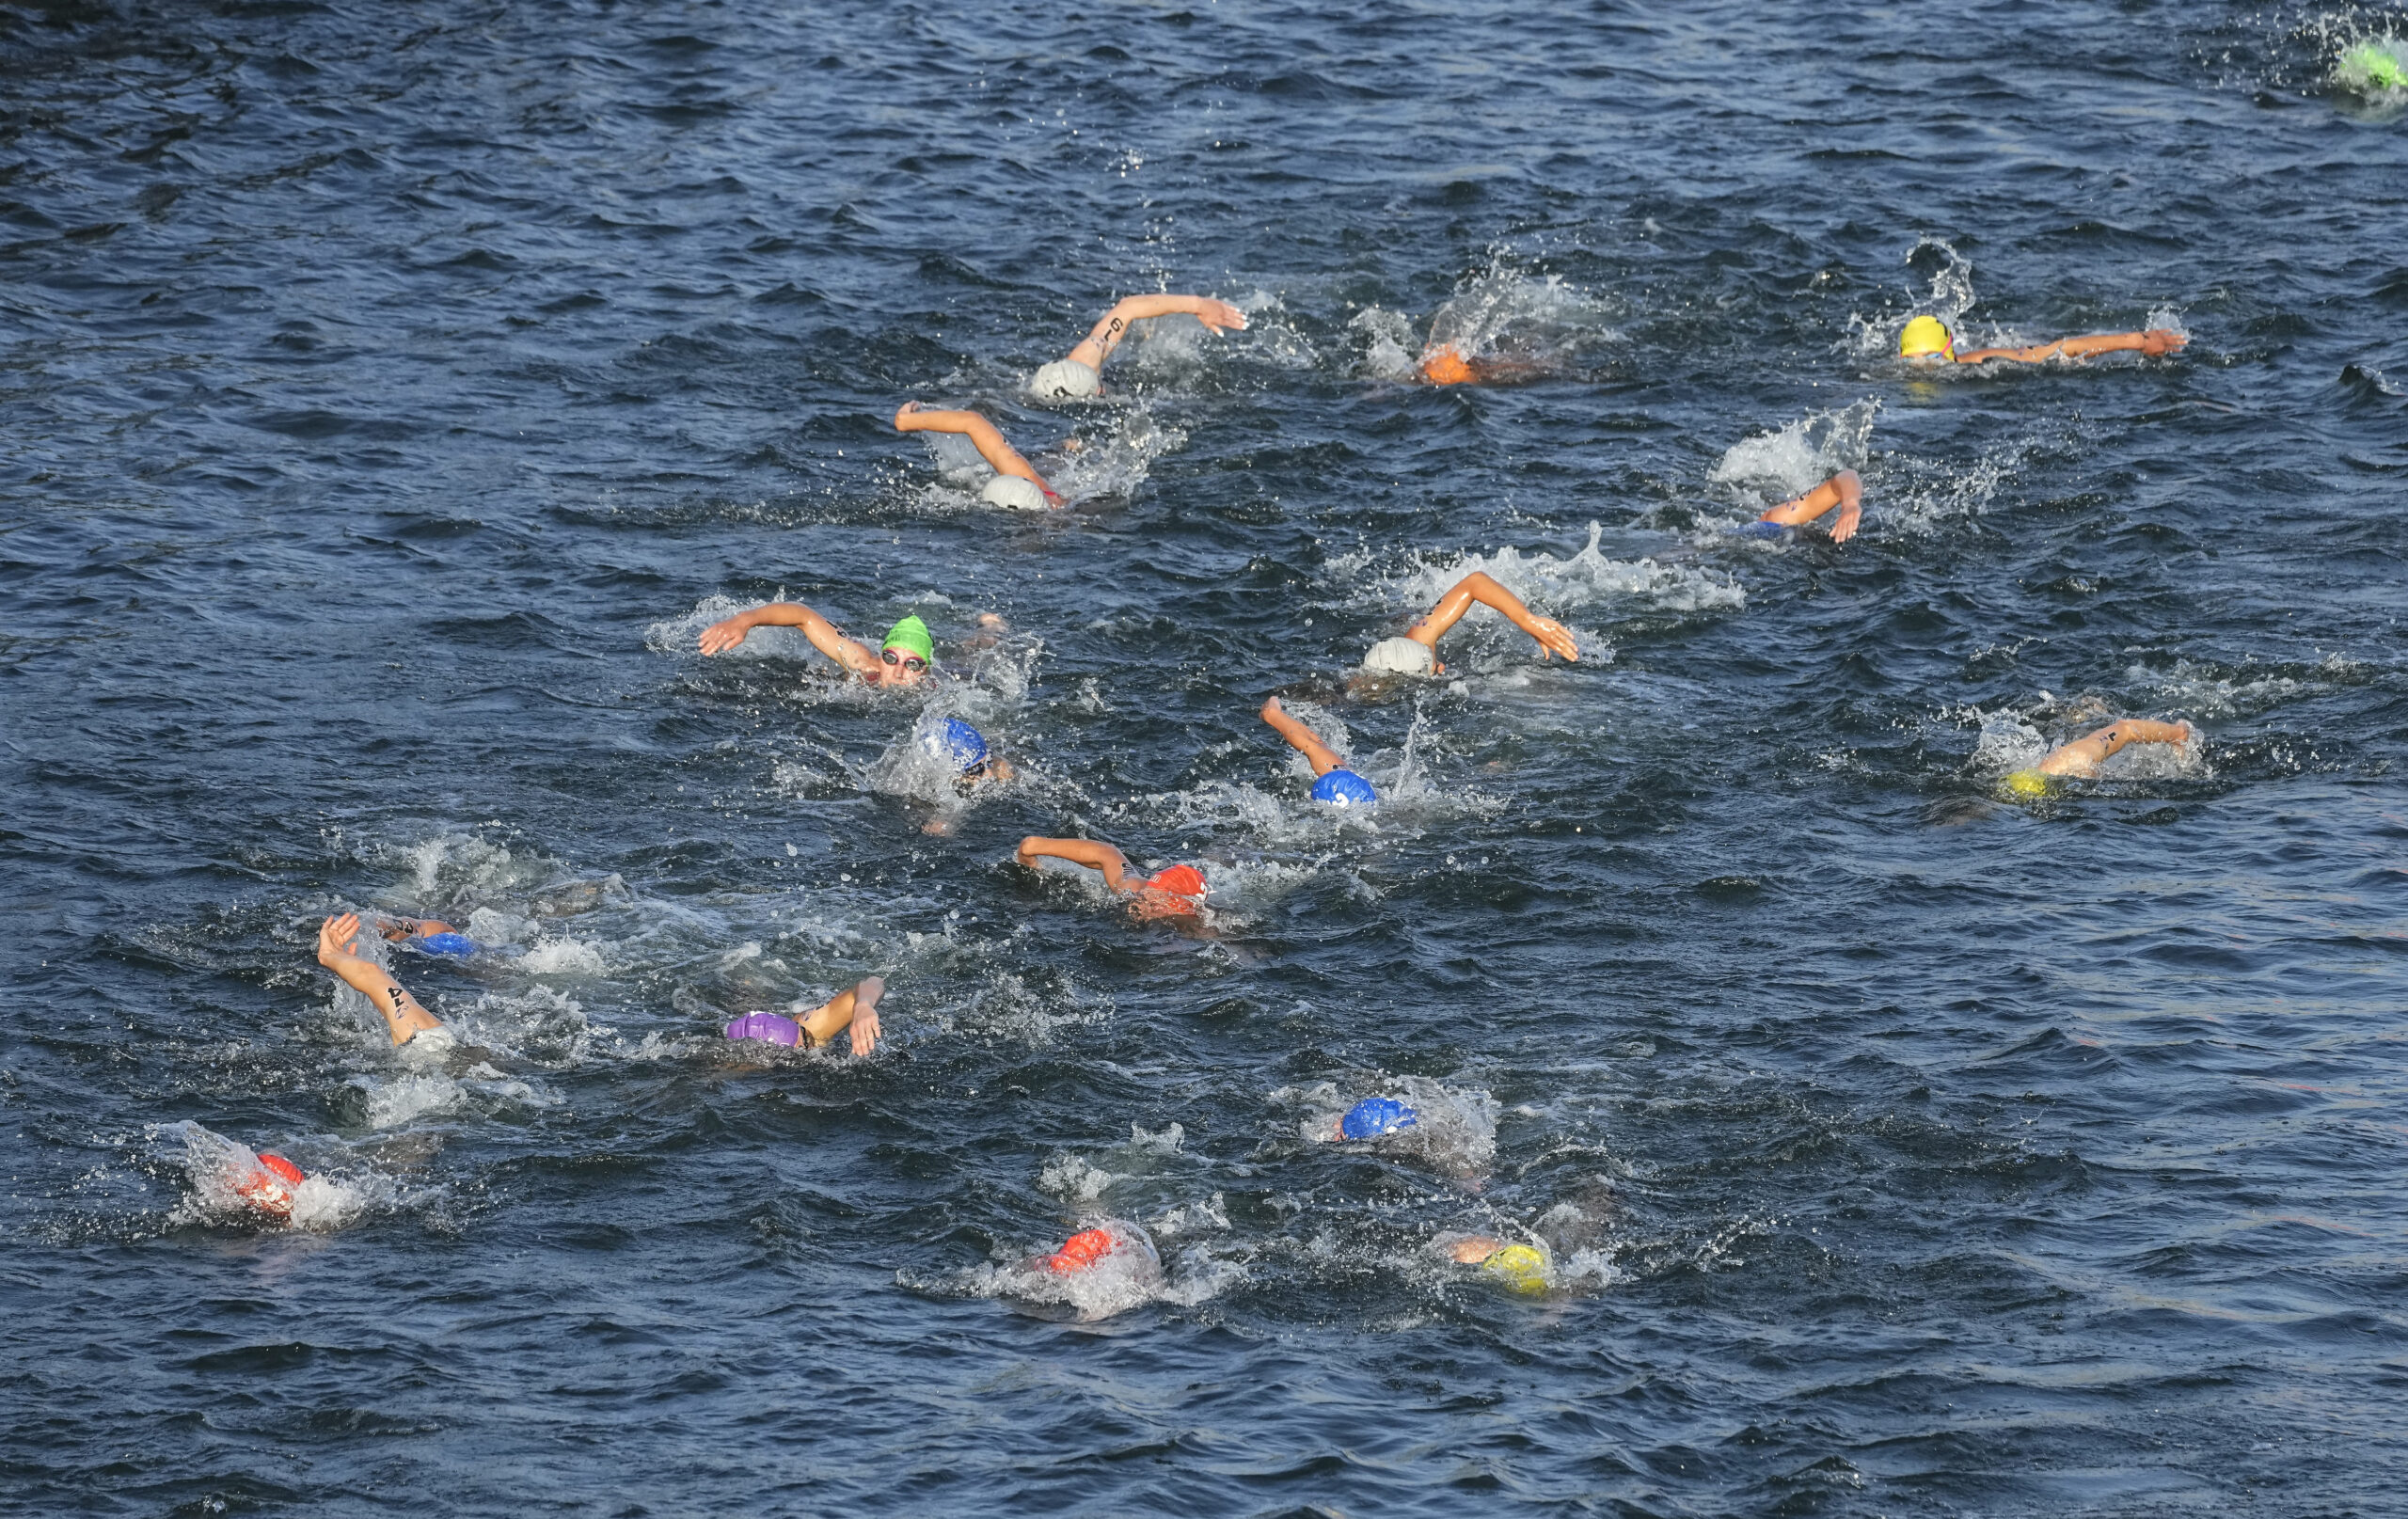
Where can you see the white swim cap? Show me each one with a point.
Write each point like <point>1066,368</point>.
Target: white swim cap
<point>1014,492</point>
<point>1065,379</point>
<point>1400,656</point>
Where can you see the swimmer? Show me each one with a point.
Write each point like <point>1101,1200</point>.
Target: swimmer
<point>1416,653</point>
<point>955,742</point>
<point>852,1012</point>
<point>1015,485</point>
<point>1927,341</point>
<point>1333,781</point>
<point>1521,1269</point>
<point>1175,891</point>
<point>431,935</point>
<point>404,1018</point>
<point>269,1185</point>
<point>1843,490</point>
<point>907,653</point>
<point>1443,363</point>
<point>2083,755</point>
<point>1075,376</point>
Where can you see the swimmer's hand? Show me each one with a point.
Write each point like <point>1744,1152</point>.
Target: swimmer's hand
<point>2158,342</point>
<point>1554,638</point>
<point>1219,315</point>
<point>726,633</point>
<point>863,1032</point>
<point>334,939</point>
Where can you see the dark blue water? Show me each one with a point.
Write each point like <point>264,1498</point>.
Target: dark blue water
<point>391,392</point>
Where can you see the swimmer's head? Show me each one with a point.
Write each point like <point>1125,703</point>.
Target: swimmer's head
<point>1443,364</point>
<point>1179,881</point>
<point>1065,379</point>
<point>769,1027</point>
<point>1518,1268</point>
<point>1925,338</point>
<point>955,742</point>
<point>908,652</point>
<point>460,946</point>
<point>1400,656</point>
<point>2371,63</point>
<point>1344,787</point>
<point>1081,1251</point>
<point>1374,1116</point>
<point>269,1186</point>
<point>1014,494</point>
<point>2025,785</point>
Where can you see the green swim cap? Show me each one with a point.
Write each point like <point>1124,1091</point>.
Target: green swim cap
<point>2375,64</point>
<point>911,635</point>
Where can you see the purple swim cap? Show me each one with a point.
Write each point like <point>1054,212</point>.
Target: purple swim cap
<point>767,1026</point>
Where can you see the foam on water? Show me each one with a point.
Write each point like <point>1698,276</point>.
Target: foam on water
<point>1775,467</point>
<point>1585,578</point>
<point>212,1165</point>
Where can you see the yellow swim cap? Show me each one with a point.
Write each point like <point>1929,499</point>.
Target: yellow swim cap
<point>2026,784</point>
<point>1925,335</point>
<point>1520,1268</point>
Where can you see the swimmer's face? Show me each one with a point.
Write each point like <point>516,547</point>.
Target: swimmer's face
<point>903,668</point>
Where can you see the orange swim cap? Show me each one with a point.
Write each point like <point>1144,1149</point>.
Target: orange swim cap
<point>1179,881</point>
<point>1442,365</point>
<point>1080,1251</point>
<point>265,1189</point>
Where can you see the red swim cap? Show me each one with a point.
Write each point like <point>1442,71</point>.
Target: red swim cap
<point>264,1188</point>
<point>1179,881</point>
<point>1080,1250</point>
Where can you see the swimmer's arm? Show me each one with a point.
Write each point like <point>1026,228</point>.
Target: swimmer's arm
<point>1553,637</point>
<point>1319,755</point>
<point>2084,756</point>
<point>856,1010</point>
<point>1843,490</point>
<point>2154,342</point>
<point>722,636</point>
<point>999,454</point>
<point>1098,345</point>
<point>404,1017</point>
<point>1087,852</point>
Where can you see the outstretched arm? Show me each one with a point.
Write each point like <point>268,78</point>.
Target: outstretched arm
<point>978,430</point>
<point>1843,490</point>
<point>2154,342</point>
<point>1092,853</point>
<point>1553,637</point>
<point>727,633</point>
<point>1322,758</point>
<point>404,1017</point>
<point>1098,345</point>
<point>2084,756</point>
<point>856,1009</point>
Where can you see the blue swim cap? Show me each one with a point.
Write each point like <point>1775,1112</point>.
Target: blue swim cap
<point>1344,787</point>
<point>956,741</point>
<point>458,945</point>
<point>1758,529</point>
<point>1374,1116</point>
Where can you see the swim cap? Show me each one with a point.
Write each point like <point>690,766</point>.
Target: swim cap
<point>1374,1116</point>
<point>1080,1251</point>
<point>1758,529</point>
<point>2026,784</point>
<point>1065,379</point>
<point>1442,365</point>
<point>268,1188</point>
<point>458,945</point>
<point>1013,492</point>
<point>1179,881</point>
<point>956,741</point>
<point>2379,66</point>
<point>767,1026</point>
<point>1520,1268</point>
<point>1344,787</point>
<point>911,635</point>
<point>1925,336</point>
<point>1400,657</point>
